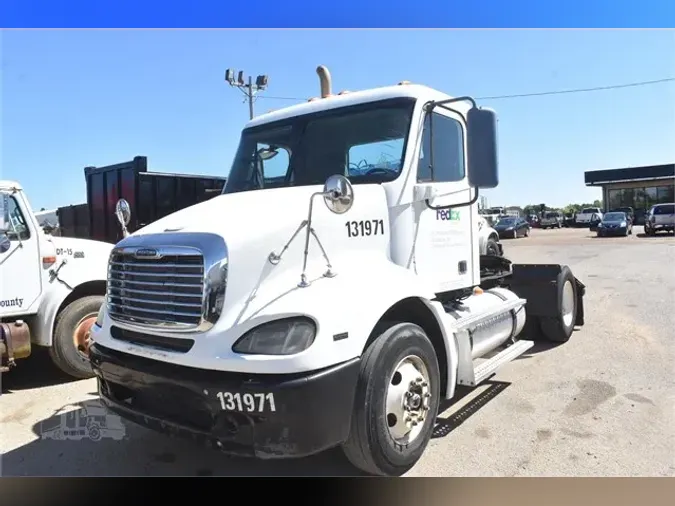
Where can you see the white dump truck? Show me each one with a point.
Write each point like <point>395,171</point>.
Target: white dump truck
<point>334,293</point>
<point>51,288</point>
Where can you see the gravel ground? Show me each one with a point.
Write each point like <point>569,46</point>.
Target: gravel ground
<point>600,405</point>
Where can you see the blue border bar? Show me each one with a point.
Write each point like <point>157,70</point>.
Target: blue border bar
<point>343,14</point>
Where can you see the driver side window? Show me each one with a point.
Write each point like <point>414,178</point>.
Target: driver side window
<point>448,145</point>
<point>20,229</point>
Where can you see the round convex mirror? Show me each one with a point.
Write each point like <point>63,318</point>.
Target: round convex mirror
<point>339,194</point>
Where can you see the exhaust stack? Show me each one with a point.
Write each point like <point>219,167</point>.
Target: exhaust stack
<point>324,78</point>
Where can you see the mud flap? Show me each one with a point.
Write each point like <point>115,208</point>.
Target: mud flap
<point>581,291</point>
<point>538,284</point>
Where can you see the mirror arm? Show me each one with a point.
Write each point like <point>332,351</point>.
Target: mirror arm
<point>453,206</point>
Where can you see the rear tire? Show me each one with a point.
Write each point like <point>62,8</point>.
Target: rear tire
<point>64,351</point>
<point>371,445</point>
<point>558,329</point>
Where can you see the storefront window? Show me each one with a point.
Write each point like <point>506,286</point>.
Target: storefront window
<point>651,197</point>
<point>665,194</point>
<point>640,198</point>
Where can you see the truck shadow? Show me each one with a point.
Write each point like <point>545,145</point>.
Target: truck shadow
<point>36,371</point>
<point>84,439</point>
<point>446,425</point>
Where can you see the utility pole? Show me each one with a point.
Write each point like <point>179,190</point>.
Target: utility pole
<point>248,88</point>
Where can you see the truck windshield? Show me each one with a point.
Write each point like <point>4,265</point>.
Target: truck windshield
<point>366,143</point>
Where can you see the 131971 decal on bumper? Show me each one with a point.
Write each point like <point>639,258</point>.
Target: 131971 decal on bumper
<point>250,403</point>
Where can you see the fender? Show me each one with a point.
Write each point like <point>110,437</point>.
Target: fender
<point>79,262</point>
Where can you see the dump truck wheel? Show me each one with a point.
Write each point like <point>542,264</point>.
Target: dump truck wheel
<point>396,402</point>
<point>559,328</point>
<point>69,349</point>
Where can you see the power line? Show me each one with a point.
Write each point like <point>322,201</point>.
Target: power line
<point>537,94</point>
<point>580,90</point>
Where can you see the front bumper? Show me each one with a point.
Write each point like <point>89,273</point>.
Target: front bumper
<point>263,415</point>
<point>603,231</point>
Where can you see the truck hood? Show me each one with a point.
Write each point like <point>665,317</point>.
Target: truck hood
<point>236,215</point>
<point>256,223</point>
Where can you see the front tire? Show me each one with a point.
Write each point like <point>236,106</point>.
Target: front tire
<point>396,402</point>
<point>69,347</point>
<point>492,247</point>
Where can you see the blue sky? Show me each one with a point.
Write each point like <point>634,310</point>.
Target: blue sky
<point>77,98</point>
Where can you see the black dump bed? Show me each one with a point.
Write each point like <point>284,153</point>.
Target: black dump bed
<point>151,195</point>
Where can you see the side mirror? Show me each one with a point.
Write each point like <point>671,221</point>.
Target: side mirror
<point>481,126</point>
<point>338,194</point>
<point>123,214</point>
<point>5,223</point>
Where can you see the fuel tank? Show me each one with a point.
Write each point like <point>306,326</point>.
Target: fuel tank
<point>493,332</point>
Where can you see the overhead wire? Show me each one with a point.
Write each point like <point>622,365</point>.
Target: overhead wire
<point>535,94</point>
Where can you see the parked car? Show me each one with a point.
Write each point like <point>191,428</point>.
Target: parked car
<point>552,219</point>
<point>660,217</point>
<point>512,227</point>
<point>568,221</point>
<point>615,223</point>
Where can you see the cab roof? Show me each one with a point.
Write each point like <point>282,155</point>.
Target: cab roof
<point>416,91</point>
<point>6,184</point>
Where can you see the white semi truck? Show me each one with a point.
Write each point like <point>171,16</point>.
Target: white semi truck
<point>334,293</point>
<point>51,288</point>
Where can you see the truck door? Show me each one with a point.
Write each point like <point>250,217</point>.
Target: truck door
<point>444,251</point>
<point>20,267</point>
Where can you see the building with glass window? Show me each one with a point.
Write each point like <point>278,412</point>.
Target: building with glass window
<point>636,187</point>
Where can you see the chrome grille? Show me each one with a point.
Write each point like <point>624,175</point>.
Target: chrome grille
<point>161,287</point>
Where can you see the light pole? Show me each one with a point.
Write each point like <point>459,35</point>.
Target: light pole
<point>247,86</point>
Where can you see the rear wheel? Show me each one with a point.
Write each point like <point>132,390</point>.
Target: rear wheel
<point>70,346</point>
<point>559,328</point>
<point>396,402</point>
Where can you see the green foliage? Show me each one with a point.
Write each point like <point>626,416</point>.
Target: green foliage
<point>537,209</point>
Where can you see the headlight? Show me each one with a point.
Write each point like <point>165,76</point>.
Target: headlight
<point>280,337</point>
<point>600,224</point>
<point>510,228</point>
<point>623,223</point>
<point>99,318</point>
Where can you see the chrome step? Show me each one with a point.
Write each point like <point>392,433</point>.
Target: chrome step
<point>474,376</point>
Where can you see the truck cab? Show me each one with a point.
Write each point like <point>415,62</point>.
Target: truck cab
<point>52,287</point>
<point>334,293</point>
<point>588,216</point>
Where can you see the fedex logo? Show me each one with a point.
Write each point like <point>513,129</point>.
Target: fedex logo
<point>447,215</point>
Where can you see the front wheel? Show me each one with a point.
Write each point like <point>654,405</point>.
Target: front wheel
<point>492,247</point>
<point>70,345</point>
<point>396,402</point>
